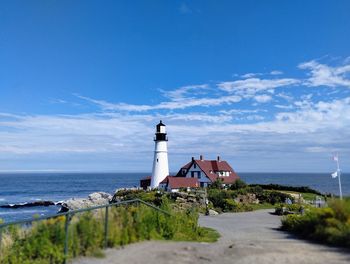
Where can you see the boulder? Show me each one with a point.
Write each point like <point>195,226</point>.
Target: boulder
<point>212,212</point>
<point>29,204</point>
<point>249,198</point>
<point>94,199</point>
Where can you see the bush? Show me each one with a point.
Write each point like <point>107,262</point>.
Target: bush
<point>217,197</point>
<point>273,197</point>
<point>328,225</point>
<point>302,189</point>
<point>217,184</point>
<point>43,242</point>
<point>238,184</point>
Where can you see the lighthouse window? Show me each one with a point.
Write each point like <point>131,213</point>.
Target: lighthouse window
<point>157,160</point>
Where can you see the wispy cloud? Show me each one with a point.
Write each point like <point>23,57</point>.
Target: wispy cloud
<point>185,91</point>
<point>252,86</point>
<point>275,72</point>
<point>170,105</point>
<point>325,75</point>
<point>264,98</point>
<point>249,118</point>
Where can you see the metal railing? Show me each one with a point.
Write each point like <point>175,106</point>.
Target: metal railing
<point>68,215</point>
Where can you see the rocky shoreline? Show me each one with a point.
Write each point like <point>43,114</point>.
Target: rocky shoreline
<point>93,199</point>
<point>29,204</point>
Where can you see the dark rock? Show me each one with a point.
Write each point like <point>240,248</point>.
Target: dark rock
<point>29,204</point>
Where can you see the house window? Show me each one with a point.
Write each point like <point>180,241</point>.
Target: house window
<point>196,174</point>
<point>195,165</point>
<point>202,184</point>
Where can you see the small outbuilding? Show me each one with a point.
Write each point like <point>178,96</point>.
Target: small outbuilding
<point>174,184</point>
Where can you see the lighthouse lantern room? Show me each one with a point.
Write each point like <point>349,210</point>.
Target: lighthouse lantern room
<point>160,162</point>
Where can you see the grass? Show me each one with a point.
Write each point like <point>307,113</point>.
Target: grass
<point>330,225</point>
<point>43,241</point>
<point>262,206</point>
<point>309,196</point>
<point>208,235</point>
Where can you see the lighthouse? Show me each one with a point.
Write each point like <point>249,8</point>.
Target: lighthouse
<point>160,162</point>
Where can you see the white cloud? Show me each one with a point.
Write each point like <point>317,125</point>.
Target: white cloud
<point>324,75</point>
<point>318,149</point>
<point>255,117</point>
<point>250,75</point>
<point>241,111</point>
<point>185,91</point>
<point>179,103</point>
<point>230,125</point>
<point>275,72</point>
<point>285,96</point>
<point>254,85</point>
<point>264,98</point>
<point>284,106</point>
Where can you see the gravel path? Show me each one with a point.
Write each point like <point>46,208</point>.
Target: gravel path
<point>249,237</point>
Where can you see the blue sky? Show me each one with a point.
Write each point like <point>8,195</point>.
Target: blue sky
<point>264,84</point>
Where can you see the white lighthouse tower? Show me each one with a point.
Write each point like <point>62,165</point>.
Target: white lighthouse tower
<point>160,162</point>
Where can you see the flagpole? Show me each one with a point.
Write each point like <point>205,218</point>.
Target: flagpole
<point>338,170</point>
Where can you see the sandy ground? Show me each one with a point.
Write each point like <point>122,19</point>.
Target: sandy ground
<point>250,237</point>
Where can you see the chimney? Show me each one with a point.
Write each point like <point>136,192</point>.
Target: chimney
<point>218,158</point>
<point>192,159</point>
<point>201,157</point>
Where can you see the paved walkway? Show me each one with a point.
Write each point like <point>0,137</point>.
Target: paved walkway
<point>250,237</point>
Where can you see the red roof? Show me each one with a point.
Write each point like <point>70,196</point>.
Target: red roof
<point>181,182</point>
<point>210,167</point>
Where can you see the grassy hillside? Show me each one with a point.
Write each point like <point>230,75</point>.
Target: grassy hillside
<point>43,242</point>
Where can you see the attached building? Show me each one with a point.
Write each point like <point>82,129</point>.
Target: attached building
<point>196,174</point>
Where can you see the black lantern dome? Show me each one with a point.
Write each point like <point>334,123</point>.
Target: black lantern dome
<point>160,132</point>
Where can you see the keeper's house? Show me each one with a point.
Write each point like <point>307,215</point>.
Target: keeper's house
<point>197,173</point>
<point>208,171</point>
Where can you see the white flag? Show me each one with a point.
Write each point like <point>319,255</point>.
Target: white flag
<point>335,174</point>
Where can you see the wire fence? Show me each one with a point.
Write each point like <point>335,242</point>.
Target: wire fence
<point>69,215</point>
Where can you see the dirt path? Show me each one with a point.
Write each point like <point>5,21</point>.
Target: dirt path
<point>245,238</point>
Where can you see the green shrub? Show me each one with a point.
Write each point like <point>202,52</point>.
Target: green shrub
<point>217,184</point>
<point>328,225</point>
<point>273,197</point>
<point>302,189</point>
<point>43,242</point>
<point>238,184</point>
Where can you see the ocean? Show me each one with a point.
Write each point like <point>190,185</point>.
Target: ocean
<point>28,187</point>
